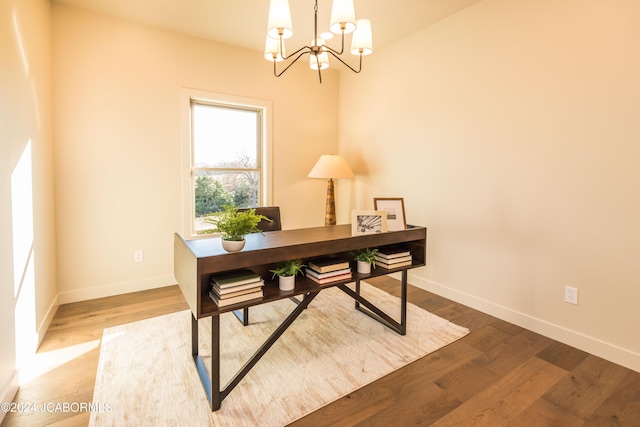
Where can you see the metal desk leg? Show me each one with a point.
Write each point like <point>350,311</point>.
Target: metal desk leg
<point>403,302</point>
<point>242,315</point>
<point>377,314</point>
<point>211,383</point>
<point>216,398</point>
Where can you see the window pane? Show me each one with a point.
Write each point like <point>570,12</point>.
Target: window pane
<point>213,190</point>
<point>224,137</point>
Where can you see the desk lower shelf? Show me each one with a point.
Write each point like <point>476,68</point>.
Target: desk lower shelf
<point>271,292</point>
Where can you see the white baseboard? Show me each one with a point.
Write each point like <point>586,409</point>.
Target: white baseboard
<point>597,347</point>
<point>9,392</point>
<point>115,289</point>
<point>44,325</point>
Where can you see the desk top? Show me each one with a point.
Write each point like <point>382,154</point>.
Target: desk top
<point>335,234</point>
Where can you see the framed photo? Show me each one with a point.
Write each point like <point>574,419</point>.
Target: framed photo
<point>368,222</point>
<point>394,209</point>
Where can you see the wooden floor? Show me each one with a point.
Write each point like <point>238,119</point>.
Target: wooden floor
<point>499,374</point>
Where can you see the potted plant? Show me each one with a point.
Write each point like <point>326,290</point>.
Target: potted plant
<point>366,258</point>
<point>286,273</point>
<point>234,225</point>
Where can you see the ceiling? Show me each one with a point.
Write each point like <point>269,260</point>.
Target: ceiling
<point>243,23</point>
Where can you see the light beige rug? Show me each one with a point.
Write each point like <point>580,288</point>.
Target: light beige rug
<point>146,375</point>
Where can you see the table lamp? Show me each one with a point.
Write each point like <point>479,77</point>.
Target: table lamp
<point>331,166</point>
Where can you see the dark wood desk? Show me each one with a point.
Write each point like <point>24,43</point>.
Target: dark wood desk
<point>195,261</point>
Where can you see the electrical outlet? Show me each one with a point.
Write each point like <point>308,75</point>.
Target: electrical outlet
<point>138,256</point>
<point>571,295</point>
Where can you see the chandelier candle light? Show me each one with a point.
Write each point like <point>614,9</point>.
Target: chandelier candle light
<point>343,22</point>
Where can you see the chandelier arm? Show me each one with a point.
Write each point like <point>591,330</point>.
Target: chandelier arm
<point>328,48</point>
<point>349,66</point>
<point>275,73</point>
<point>294,53</point>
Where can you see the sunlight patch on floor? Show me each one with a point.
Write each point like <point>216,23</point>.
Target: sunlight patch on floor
<point>44,362</point>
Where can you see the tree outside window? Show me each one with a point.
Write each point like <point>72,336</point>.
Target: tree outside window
<point>226,159</point>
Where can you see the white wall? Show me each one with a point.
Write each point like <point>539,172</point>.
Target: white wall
<point>27,233</point>
<point>511,130</point>
<point>118,134</point>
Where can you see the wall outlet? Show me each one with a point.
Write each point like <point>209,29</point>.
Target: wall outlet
<point>138,256</point>
<point>571,295</point>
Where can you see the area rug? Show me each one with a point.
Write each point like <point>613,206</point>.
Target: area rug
<point>146,375</point>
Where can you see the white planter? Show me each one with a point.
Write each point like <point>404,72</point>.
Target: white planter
<point>364,267</point>
<point>286,283</point>
<point>233,245</point>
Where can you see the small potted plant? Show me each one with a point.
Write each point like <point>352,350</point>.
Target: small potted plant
<point>366,259</point>
<point>286,273</point>
<point>234,225</point>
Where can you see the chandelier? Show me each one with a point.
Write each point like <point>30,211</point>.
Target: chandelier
<point>343,22</point>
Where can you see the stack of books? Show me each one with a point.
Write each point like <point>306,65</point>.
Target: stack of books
<point>393,258</point>
<point>328,270</point>
<point>234,287</point>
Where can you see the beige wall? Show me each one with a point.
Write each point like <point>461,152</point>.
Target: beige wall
<point>27,232</point>
<point>117,116</point>
<point>512,136</point>
<point>511,130</point>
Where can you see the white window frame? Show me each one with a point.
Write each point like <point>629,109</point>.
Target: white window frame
<point>265,151</point>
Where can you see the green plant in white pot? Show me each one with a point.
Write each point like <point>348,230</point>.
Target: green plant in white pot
<point>234,225</point>
<point>366,259</point>
<point>286,273</point>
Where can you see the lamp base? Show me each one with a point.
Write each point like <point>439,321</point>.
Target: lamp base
<point>330,213</point>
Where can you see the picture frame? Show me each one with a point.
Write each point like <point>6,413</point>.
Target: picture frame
<point>368,222</point>
<point>394,208</point>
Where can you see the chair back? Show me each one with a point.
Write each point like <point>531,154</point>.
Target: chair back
<point>271,212</point>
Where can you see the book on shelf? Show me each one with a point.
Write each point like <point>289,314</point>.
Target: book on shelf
<point>225,293</point>
<point>393,260</point>
<point>390,266</point>
<point>235,278</point>
<point>393,253</point>
<point>231,289</point>
<point>235,300</point>
<point>317,275</point>
<point>330,279</point>
<point>328,264</point>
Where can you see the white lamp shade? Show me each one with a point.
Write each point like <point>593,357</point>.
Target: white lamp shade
<point>279,19</point>
<point>362,40</point>
<point>331,166</point>
<point>342,13</point>
<point>271,48</point>
<point>322,58</point>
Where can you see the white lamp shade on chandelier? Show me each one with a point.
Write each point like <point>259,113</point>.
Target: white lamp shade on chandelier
<point>279,20</point>
<point>272,47</point>
<point>362,41</point>
<point>343,21</point>
<point>343,15</point>
<point>322,58</point>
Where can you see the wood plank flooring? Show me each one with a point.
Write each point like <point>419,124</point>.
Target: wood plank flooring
<point>498,375</point>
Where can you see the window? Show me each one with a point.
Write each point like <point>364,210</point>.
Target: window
<point>228,157</point>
